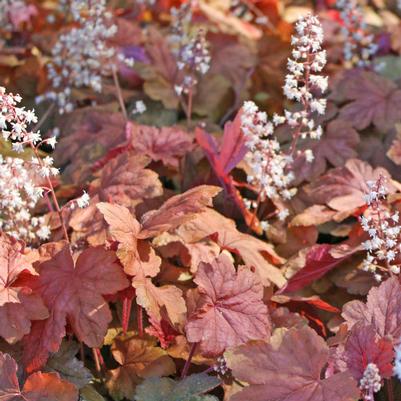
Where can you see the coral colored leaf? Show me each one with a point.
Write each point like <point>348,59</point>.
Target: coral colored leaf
<point>255,253</point>
<point>343,188</point>
<point>230,310</point>
<point>126,181</point>
<point>318,262</point>
<point>37,387</point>
<point>372,100</point>
<point>382,310</point>
<point>155,300</point>
<point>19,305</point>
<point>167,144</point>
<point>191,388</point>
<point>290,368</point>
<point>138,359</point>
<point>73,293</point>
<point>363,347</point>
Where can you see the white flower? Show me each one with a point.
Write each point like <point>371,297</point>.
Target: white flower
<point>83,201</point>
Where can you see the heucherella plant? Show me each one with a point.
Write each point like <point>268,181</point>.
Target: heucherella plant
<point>270,164</point>
<point>359,45</point>
<point>383,247</point>
<point>23,182</point>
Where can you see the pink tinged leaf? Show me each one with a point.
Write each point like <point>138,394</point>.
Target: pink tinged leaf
<point>230,310</point>
<point>73,293</point>
<point>382,310</point>
<point>318,262</point>
<point>289,369</point>
<point>232,149</point>
<point>363,347</point>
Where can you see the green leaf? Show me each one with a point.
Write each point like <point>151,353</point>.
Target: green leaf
<point>88,393</point>
<point>68,367</point>
<point>191,388</point>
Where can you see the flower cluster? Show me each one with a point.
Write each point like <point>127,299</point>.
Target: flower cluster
<point>397,362</point>
<point>19,196</point>
<point>21,180</point>
<point>359,46</point>
<point>383,228</point>
<point>81,56</point>
<point>303,80</point>
<point>221,367</point>
<point>270,166</point>
<point>371,381</point>
<point>192,51</point>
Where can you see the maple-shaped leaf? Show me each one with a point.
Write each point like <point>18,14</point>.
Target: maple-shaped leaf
<point>382,310</point>
<point>363,347</point>
<point>229,310</point>
<point>192,388</point>
<point>138,359</point>
<point>73,292</point>
<point>336,146</point>
<point>255,253</point>
<point>318,262</point>
<point>343,188</point>
<point>166,144</point>
<point>68,366</point>
<point>19,305</point>
<point>38,386</point>
<point>372,100</point>
<point>125,180</point>
<point>290,368</point>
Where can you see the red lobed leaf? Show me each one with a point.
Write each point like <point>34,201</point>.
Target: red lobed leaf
<point>289,369</point>
<point>318,262</point>
<point>363,347</point>
<point>18,303</point>
<point>73,293</point>
<point>382,310</point>
<point>229,310</point>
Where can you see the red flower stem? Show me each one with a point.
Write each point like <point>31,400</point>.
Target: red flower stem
<point>96,359</point>
<point>119,93</point>
<point>140,320</point>
<point>188,361</point>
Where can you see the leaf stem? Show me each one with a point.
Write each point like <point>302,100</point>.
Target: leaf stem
<point>140,320</point>
<point>188,361</point>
